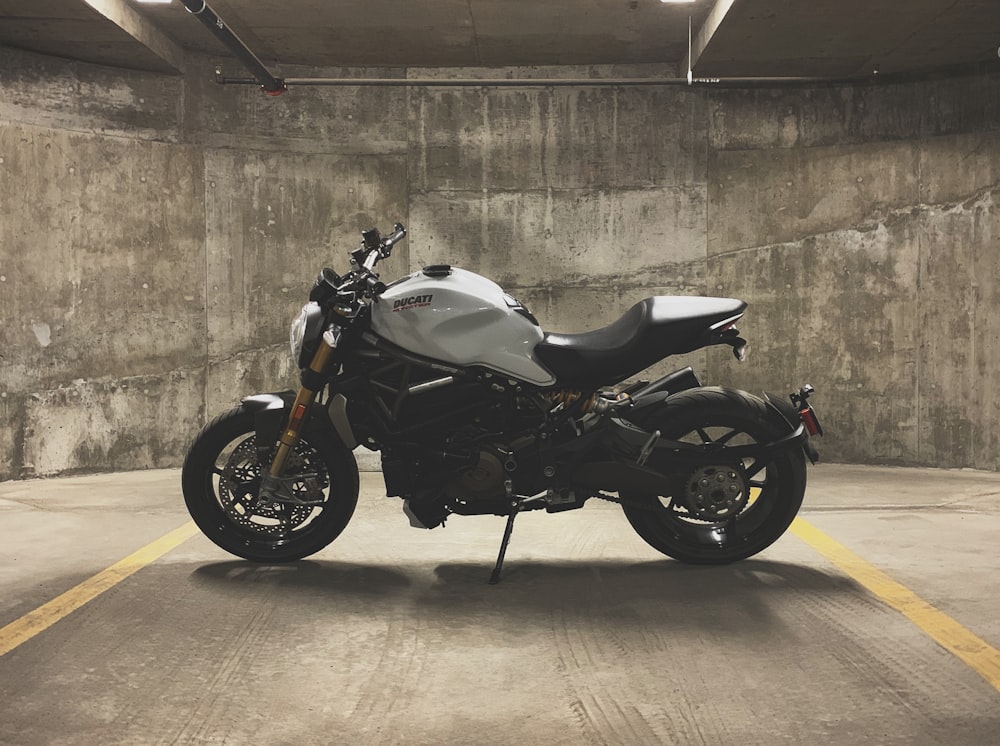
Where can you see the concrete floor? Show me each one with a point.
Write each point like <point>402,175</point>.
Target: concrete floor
<point>392,636</point>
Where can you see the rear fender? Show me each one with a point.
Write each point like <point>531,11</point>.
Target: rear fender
<point>645,414</point>
<point>786,410</point>
<point>631,441</point>
<point>672,383</point>
<point>644,409</point>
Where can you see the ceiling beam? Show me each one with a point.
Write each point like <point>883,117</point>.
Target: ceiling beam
<point>700,40</point>
<point>123,15</point>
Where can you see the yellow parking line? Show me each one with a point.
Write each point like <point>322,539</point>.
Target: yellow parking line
<point>945,631</point>
<point>21,630</point>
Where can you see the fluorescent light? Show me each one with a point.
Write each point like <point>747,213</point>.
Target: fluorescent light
<point>165,2</point>
<point>675,2</point>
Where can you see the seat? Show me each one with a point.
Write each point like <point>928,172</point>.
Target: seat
<point>649,331</point>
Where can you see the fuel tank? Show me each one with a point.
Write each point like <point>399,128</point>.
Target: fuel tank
<point>459,317</point>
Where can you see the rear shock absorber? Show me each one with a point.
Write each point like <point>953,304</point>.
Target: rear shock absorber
<point>568,397</point>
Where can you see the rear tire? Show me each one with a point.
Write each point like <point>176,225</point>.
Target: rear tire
<point>221,479</point>
<point>744,505</point>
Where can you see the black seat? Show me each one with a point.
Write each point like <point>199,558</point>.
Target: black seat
<point>649,331</point>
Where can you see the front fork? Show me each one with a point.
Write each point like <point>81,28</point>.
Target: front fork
<point>274,486</point>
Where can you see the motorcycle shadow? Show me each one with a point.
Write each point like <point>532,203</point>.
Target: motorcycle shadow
<point>769,572</point>
<point>744,600</point>
<point>653,580</point>
<point>733,599</point>
<point>305,575</point>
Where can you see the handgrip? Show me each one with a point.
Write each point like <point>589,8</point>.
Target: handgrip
<point>373,286</point>
<point>398,233</point>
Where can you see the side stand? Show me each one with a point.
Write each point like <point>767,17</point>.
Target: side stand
<point>514,510</point>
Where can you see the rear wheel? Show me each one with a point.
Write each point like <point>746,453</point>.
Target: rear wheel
<point>726,509</point>
<point>221,479</point>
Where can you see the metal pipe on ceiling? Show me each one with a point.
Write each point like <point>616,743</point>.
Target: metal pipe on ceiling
<point>541,82</point>
<point>455,82</point>
<point>210,19</point>
<point>274,86</point>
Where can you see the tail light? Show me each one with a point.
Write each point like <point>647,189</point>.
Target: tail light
<point>806,413</point>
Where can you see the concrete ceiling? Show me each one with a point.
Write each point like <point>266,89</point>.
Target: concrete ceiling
<point>732,38</point>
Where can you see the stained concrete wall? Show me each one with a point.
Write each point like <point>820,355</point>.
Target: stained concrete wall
<point>159,232</point>
<point>158,235</point>
<point>579,201</point>
<point>863,225</point>
<point>859,223</point>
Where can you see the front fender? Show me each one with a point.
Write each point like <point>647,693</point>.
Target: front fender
<point>270,413</point>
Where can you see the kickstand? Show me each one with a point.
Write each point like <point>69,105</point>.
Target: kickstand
<point>515,509</point>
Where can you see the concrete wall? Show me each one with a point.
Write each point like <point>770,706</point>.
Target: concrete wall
<point>864,226</point>
<point>159,232</point>
<point>579,201</point>
<point>158,235</point>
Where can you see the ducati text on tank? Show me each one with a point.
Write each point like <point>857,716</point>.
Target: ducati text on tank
<point>476,409</point>
<point>414,301</point>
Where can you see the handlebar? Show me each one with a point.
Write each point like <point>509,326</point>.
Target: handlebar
<point>398,234</point>
<point>330,288</point>
<point>374,247</point>
<point>373,286</point>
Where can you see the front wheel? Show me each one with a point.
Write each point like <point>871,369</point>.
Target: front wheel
<point>221,478</point>
<point>726,509</point>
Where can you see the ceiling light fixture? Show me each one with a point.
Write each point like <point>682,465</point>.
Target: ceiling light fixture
<point>166,2</point>
<point>679,2</point>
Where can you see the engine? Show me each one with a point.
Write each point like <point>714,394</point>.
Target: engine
<point>468,476</point>
<point>484,481</point>
<point>450,439</point>
<point>460,475</point>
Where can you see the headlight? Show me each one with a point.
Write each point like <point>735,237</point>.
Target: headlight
<point>305,332</point>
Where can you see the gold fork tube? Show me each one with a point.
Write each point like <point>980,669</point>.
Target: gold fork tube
<point>299,413</point>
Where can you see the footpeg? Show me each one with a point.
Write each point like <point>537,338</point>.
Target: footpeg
<point>556,501</point>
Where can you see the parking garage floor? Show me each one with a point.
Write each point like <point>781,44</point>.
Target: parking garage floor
<point>876,619</point>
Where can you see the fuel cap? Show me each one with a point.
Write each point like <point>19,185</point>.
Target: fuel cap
<point>437,270</point>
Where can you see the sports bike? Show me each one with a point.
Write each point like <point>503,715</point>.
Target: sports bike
<point>477,410</point>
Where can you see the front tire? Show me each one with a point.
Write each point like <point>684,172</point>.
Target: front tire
<point>727,510</point>
<point>221,478</point>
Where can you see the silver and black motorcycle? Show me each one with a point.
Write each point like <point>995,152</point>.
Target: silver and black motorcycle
<point>476,410</point>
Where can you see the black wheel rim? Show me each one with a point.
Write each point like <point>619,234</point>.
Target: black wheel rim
<point>723,518</point>
<point>235,482</point>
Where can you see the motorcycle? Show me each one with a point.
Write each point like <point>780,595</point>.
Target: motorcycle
<point>476,410</point>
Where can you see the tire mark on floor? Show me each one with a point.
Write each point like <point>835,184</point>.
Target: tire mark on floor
<point>590,662</point>
<point>208,719</point>
<point>394,676</point>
